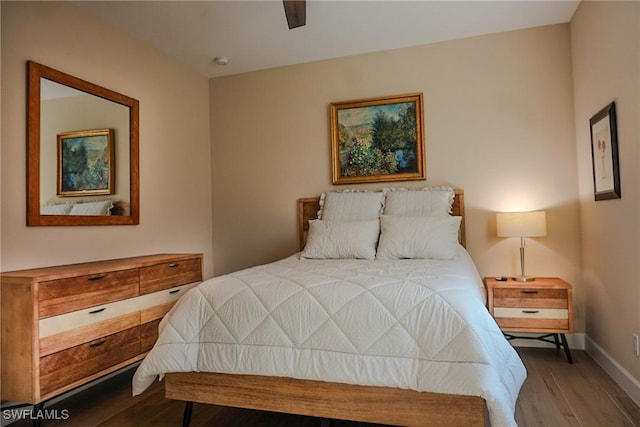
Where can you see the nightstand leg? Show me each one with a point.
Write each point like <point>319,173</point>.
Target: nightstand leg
<point>557,341</point>
<point>566,348</point>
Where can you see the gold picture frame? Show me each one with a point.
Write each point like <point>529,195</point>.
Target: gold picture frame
<point>378,139</point>
<point>86,163</point>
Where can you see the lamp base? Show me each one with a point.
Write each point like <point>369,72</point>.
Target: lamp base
<point>524,278</point>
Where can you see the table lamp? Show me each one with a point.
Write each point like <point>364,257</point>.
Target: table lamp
<point>522,224</point>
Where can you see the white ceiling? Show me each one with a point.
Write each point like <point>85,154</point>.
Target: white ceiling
<point>254,34</point>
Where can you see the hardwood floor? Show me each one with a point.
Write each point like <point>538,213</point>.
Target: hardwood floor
<point>558,394</point>
<point>555,394</point>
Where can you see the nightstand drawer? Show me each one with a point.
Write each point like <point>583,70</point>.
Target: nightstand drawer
<point>528,313</point>
<point>531,319</point>
<point>532,324</point>
<point>530,298</point>
<point>524,293</point>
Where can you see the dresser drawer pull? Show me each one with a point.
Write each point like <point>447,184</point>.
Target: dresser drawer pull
<point>175,291</point>
<point>99,310</point>
<point>94,278</point>
<point>174,265</point>
<point>531,311</point>
<point>529,292</point>
<point>98,344</point>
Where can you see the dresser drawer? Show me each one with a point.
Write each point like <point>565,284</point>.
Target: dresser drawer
<point>75,293</point>
<point>170,274</point>
<point>530,298</point>
<point>81,334</point>
<point>162,297</point>
<point>149,335</point>
<point>88,316</point>
<point>75,363</point>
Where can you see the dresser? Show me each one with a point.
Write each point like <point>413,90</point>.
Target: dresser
<point>65,326</point>
<point>543,306</point>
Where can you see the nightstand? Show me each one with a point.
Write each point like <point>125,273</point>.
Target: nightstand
<point>543,306</point>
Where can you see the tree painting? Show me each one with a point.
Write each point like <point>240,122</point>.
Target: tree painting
<point>85,163</point>
<point>378,140</point>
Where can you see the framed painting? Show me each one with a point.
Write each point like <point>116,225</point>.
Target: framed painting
<point>604,154</point>
<point>379,139</point>
<point>86,163</point>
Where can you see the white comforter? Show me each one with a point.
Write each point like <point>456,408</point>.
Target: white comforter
<point>416,324</point>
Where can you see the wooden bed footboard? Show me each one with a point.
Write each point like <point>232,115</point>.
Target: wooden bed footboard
<point>384,405</point>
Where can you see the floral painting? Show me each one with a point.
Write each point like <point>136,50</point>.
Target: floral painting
<point>604,152</point>
<point>377,140</point>
<point>86,162</point>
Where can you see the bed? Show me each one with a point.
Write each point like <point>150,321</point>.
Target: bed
<point>357,347</point>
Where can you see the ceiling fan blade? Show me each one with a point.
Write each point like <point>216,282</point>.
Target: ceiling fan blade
<point>296,11</point>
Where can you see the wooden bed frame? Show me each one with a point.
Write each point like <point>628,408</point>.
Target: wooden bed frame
<point>383,405</point>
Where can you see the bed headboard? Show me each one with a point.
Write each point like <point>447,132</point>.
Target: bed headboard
<point>308,210</point>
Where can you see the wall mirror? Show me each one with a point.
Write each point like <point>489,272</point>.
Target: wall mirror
<point>82,152</point>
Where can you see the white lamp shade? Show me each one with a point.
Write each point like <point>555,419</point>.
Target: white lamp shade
<point>522,224</point>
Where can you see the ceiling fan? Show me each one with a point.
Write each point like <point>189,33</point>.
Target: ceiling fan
<point>296,11</point>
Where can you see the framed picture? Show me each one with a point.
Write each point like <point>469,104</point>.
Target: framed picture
<point>375,140</point>
<point>604,154</point>
<point>86,163</point>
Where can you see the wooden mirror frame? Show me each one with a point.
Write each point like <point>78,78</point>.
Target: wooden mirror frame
<point>37,71</point>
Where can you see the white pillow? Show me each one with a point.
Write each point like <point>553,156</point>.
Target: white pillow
<point>92,208</point>
<point>55,209</point>
<point>342,239</point>
<point>418,237</point>
<point>429,201</point>
<point>351,205</point>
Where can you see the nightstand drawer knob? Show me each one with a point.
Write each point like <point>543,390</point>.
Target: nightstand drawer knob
<point>529,292</point>
<point>531,311</point>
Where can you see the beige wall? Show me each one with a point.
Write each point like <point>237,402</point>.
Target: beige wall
<point>498,120</point>
<point>175,181</point>
<point>605,38</point>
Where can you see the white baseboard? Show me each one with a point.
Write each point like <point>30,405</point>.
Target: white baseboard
<point>621,376</point>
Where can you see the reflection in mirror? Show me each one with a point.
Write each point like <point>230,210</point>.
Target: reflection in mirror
<point>83,152</point>
<point>64,110</point>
